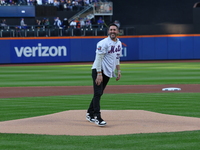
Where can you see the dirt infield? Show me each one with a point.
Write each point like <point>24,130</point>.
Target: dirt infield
<point>74,123</point>
<point>119,122</point>
<point>9,92</point>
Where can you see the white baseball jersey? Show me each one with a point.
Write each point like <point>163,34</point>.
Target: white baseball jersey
<point>111,52</point>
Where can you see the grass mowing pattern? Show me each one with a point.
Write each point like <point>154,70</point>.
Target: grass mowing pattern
<point>183,104</point>
<point>61,75</point>
<point>155,141</point>
<point>80,75</point>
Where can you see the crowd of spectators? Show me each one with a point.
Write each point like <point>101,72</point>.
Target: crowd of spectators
<point>60,4</point>
<point>58,25</point>
<point>61,24</point>
<point>77,23</point>
<point>80,23</point>
<point>45,23</point>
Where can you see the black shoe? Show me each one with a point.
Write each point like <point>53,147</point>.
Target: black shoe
<point>90,117</point>
<point>99,121</point>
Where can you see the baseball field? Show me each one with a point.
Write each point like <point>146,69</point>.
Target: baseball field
<point>43,107</point>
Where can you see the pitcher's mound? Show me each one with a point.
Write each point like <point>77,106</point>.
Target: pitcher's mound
<point>73,122</point>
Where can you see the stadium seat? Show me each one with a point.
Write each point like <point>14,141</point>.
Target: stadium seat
<point>77,32</point>
<point>67,32</point>
<point>100,32</point>
<point>30,33</point>
<point>89,32</point>
<point>20,32</point>
<point>42,33</point>
<point>54,32</point>
<point>7,33</point>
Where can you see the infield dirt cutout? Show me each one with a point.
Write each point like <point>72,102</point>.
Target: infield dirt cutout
<point>73,122</point>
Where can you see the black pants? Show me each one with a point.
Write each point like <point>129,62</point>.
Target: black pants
<point>98,92</point>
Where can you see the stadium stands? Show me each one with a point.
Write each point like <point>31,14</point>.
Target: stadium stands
<point>140,18</point>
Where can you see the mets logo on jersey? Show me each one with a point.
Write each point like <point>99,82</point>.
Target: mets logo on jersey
<point>99,48</point>
<point>114,49</point>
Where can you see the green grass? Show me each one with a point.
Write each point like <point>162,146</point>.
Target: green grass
<point>182,104</point>
<point>60,75</point>
<point>80,75</point>
<point>156,141</point>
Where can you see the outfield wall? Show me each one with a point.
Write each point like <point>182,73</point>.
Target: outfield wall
<point>82,49</point>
